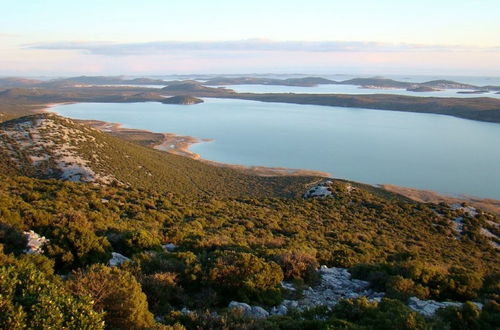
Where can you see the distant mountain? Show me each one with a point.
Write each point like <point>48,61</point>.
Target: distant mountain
<point>105,80</point>
<point>18,82</point>
<point>188,87</point>
<point>304,82</point>
<point>377,82</point>
<point>447,84</point>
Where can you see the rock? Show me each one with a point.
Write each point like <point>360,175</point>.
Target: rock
<point>249,311</point>
<point>245,308</point>
<point>259,312</point>
<point>336,284</point>
<point>35,242</point>
<point>429,307</point>
<point>170,247</point>
<point>117,259</point>
<point>321,190</point>
<point>279,310</point>
<point>185,311</point>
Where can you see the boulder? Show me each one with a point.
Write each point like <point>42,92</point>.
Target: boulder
<point>34,243</point>
<point>429,307</point>
<point>170,247</point>
<point>117,259</point>
<point>249,311</point>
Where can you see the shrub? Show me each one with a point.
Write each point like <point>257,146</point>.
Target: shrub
<point>298,264</point>
<point>245,277</point>
<point>31,299</point>
<point>115,292</point>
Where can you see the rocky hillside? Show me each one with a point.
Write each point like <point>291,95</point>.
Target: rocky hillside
<point>48,146</point>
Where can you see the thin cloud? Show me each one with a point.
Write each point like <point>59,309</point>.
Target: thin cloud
<point>255,45</point>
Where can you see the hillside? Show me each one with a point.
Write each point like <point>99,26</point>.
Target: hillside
<point>48,146</point>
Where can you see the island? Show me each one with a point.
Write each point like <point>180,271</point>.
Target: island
<point>182,99</point>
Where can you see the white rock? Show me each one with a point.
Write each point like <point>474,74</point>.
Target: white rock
<point>259,312</point>
<point>279,310</point>
<point>249,311</point>
<point>170,247</point>
<point>35,242</point>
<point>429,307</point>
<point>245,308</point>
<point>117,259</point>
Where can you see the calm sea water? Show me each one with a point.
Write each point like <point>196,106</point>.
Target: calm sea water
<point>425,151</point>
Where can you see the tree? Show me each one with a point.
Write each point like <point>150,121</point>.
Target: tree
<point>115,292</point>
<point>246,277</point>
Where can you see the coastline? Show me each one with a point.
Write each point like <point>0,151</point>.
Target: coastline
<point>179,145</point>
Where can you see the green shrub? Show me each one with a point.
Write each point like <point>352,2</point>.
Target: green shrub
<point>31,299</point>
<point>245,277</point>
<point>115,292</point>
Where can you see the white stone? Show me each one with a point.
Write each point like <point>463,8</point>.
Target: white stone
<point>34,243</point>
<point>117,259</point>
<point>170,247</point>
<point>259,312</point>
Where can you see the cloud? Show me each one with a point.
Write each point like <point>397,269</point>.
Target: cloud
<point>249,45</point>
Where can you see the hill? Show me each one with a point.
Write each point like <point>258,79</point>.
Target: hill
<point>48,146</point>
<point>191,87</point>
<point>304,82</point>
<point>183,240</point>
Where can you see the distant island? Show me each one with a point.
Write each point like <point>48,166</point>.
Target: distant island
<point>182,99</point>
<point>422,89</point>
<point>480,108</point>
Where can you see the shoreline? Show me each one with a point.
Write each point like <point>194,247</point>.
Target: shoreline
<point>179,145</point>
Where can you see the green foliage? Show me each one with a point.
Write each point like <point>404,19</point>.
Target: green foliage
<point>241,248</point>
<point>245,277</point>
<point>413,278</point>
<point>73,242</point>
<point>33,299</point>
<point>469,317</point>
<point>115,292</point>
<point>298,264</point>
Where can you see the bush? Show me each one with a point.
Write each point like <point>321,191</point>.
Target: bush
<point>115,292</point>
<point>73,243</point>
<point>31,299</point>
<point>298,264</point>
<point>245,277</point>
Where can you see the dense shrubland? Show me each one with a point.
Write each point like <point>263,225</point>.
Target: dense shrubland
<point>236,249</point>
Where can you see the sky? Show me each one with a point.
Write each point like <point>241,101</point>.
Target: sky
<point>148,37</point>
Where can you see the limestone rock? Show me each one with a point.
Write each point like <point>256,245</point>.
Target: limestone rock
<point>117,259</point>
<point>35,242</point>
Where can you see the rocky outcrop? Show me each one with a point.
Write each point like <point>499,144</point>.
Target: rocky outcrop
<point>320,190</point>
<point>429,307</point>
<point>336,284</point>
<point>117,259</point>
<point>34,243</point>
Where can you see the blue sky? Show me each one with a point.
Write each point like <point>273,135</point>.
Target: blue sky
<point>376,36</point>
